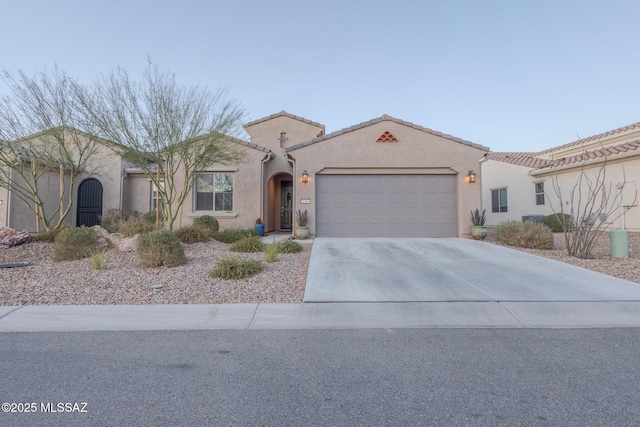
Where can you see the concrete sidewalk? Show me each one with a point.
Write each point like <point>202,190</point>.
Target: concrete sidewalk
<point>482,314</point>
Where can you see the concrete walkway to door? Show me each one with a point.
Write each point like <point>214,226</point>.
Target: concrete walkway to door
<point>447,270</point>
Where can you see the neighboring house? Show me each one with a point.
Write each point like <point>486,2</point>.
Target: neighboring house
<point>98,189</point>
<point>381,178</point>
<point>515,184</point>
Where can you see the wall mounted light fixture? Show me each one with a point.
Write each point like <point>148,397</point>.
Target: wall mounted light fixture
<point>305,176</point>
<point>472,176</point>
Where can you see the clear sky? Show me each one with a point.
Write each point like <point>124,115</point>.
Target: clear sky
<point>513,75</point>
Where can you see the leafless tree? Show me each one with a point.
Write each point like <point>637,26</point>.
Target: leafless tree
<point>41,147</point>
<point>588,210</point>
<point>170,132</point>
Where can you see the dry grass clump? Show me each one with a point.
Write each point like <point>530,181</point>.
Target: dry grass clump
<point>248,244</point>
<point>235,268</point>
<point>232,235</point>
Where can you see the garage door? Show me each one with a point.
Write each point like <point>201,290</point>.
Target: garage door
<point>386,206</point>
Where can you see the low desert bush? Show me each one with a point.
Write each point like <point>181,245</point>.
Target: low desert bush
<point>248,244</point>
<point>48,236</point>
<point>526,234</point>
<point>556,221</point>
<point>235,268</point>
<point>207,223</point>
<point>135,225</point>
<point>110,220</point>
<point>232,235</point>
<point>289,246</point>
<point>160,248</point>
<point>272,250</point>
<point>73,243</point>
<point>150,218</point>
<point>192,234</point>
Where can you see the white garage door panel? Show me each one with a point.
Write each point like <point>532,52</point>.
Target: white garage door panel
<point>386,206</point>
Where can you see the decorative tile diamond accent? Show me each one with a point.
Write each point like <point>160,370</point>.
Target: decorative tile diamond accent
<point>387,137</point>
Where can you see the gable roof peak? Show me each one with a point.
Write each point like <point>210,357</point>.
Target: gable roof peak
<point>283,113</point>
<point>385,117</point>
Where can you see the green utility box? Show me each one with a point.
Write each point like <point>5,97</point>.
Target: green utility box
<point>619,244</point>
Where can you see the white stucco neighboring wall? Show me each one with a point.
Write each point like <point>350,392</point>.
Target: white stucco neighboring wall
<point>620,179</point>
<point>521,195</point>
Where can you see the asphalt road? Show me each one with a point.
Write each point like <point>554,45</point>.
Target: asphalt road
<point>439,377</point>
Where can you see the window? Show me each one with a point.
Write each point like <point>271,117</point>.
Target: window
<point>499,200</point>
<point>154,196</point>
<point>539,193</point>
<point>214,192</point>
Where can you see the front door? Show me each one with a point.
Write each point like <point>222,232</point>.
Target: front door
<point>89,203</point>
<point>286,205</point>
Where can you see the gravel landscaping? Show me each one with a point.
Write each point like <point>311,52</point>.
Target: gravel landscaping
<point>121,281</point>
<point>628,269</point>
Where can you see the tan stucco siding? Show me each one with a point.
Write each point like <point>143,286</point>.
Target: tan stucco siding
<point>415,149</point>
<point>246,193</point>
<point>267,133</point>
<point>136,193</point>
<point>22,217</point>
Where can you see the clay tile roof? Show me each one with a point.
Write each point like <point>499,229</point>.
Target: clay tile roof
<point>521,159</point>
<point>531,160</point>
<point>592,138</point>
<point>283,114</point>
<point>595,154</point>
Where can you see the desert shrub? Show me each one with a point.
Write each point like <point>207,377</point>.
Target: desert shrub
<point>526,234</point>
<point>207,223</point>
<point>288,246</point>
<point>272,250</point>
<point>234,268</point>
<point>556,221</point>
<point>110,220</point>
<point>160,248</point>
<point>48,236</point>
<point>232,235</point>
<point>192,234</point>
<point>150,218</point>
<point>73,243</point>
<point>135,225</point>
<point>248,244</point>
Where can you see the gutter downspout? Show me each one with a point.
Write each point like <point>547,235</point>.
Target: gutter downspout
<point>267,157</point>
<point>8,212</point>
<point>123,175</point>
<point>292,162</point>
<point>480,162</point>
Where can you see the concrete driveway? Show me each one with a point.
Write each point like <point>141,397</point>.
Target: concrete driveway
<point>380,270</point>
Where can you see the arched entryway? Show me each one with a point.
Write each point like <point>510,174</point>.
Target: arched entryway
<point>89,203</point>
<point>280,202</point>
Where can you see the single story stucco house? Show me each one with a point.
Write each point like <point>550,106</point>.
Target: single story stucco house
<point>518,184</point>
<point>381,178</point>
